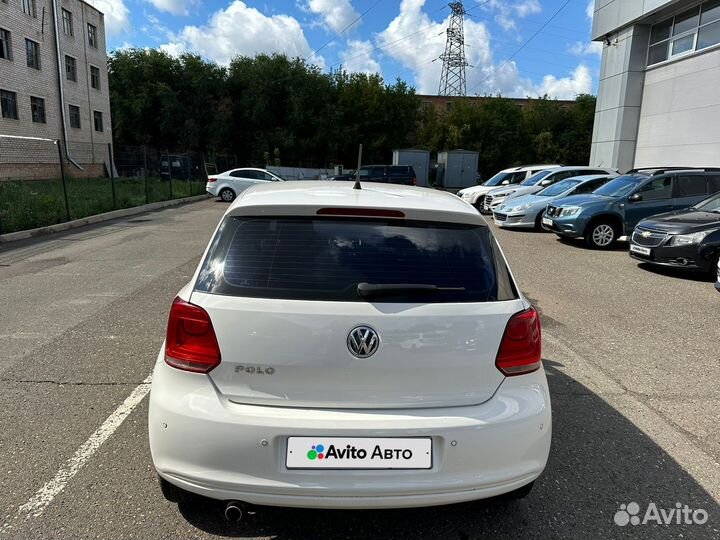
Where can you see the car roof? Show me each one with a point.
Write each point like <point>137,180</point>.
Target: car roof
<point>307,197</point>
<point>582,168</point>
<point>588,177</point>
<point>529,167</point>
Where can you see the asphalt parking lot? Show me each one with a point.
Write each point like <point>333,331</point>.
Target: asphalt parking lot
<point>631,354</point>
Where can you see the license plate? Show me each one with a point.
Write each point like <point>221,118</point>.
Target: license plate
<point>358,453</point>
<point>548,222</point>
<point>640,250</point>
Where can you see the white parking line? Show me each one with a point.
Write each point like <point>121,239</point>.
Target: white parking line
<point>35,507</point>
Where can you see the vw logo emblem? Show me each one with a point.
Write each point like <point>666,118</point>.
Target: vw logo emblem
<point>363,341</point>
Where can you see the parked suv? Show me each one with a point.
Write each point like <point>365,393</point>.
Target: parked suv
<point>537,183</point>
<point>527,211</point>
<point>614,210</point>
<point>343,348</point>
<point>476,195</point>
<point>384,174</point>
<point>684,238</point>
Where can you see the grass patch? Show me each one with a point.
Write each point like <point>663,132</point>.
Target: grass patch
<point>38,203</point>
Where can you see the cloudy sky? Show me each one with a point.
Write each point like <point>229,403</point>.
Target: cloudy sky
<point>398,38</point>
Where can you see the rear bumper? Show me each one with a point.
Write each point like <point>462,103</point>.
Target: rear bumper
<point>212,188</point>
<point>209,446</point>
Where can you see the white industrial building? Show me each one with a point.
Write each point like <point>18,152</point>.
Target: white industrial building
<point>659,93</point>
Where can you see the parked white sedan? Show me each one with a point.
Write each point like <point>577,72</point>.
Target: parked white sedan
<point>230,184</point>
<point>344,348</point>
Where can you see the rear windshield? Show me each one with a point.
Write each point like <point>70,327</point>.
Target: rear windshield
<point>326,259</point>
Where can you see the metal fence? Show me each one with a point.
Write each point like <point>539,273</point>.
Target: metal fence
<point>43,183</point>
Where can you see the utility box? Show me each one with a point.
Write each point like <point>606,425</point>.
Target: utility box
<point>418,159</point>
<point>457,169</point>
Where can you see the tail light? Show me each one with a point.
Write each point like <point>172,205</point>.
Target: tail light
<point>212,179</point>
<point>521,347</point>
<point>191,344</point>
<point>414,180</point>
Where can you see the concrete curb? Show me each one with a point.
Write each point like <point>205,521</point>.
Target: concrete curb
<point>98,218</point>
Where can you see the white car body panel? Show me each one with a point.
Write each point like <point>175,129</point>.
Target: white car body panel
<point>238,184</point>
<point>224,434</point>
<point>474,193</point>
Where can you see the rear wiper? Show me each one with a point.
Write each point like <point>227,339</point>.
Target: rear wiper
<point>375,290</point>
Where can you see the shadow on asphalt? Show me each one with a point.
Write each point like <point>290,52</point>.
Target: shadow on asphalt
<point>599,460</point>
<point>678,273</point>
<point>580,243</point>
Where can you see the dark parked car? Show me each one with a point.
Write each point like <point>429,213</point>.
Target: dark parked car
<point>384,174</point>
<point>617,207</point>
<point>685,238</point>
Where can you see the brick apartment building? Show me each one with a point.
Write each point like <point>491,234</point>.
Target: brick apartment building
<point>54,85</point>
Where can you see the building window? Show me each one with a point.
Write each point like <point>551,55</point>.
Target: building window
<point>690,31</point>
<point>92,36</point>
<point>28,7</point>
<point>8,104</point>
<point>33,53</point>
<point>95,77</point>
<point>74,117</point>
<point>97,117</point>
<point>70,68</point>
<point>5,44</point>
<point>67,20</point>
<point>37,106</point>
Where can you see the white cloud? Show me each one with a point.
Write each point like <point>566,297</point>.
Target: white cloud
<point>358,57</point>
<point>579,82</point>
<point>508,12</point>
<point>582,48</point>
<point>173,49</point>
<point>336,14</point>
<point>419,52</point>
<point>483,77</point>
<point>175,7</point>
<point>242,30</point>
<point>117,16</point>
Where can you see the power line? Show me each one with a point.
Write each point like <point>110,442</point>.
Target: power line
<point>452,78</point>
<point>513,55</point>
<point>339,34</point>
<point>388,44</point>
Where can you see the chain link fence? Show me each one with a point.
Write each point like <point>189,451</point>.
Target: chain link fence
<point>43,183</point>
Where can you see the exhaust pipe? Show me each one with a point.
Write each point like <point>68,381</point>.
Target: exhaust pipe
<point>682,261</point>
<point>234,511</point>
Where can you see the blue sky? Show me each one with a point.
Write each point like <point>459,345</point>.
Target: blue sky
<point>560,61</point>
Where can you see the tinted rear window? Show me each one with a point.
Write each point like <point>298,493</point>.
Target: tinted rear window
<point>326,259</point>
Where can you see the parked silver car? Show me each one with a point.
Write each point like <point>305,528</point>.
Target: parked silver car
<point>526,211</point>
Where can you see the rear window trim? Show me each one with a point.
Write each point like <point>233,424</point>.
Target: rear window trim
<point>496,254</point>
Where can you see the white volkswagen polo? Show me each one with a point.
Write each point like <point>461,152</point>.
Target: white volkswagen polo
<point>345,348</point>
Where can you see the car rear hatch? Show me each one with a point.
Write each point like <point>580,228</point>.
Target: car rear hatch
<point>285,294</point>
